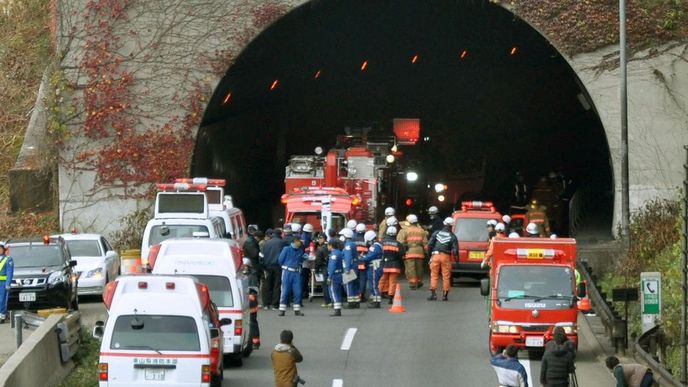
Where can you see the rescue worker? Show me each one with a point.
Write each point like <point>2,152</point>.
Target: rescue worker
<point>309,258</point>
<point>290,260</point>
<point>520,190</point>
<point>435,220</point>
<point>506,219</point>
<point>510,372</point>
<point>381,231</point>
<point>288,235</point>
<point>631,375</point>
<point>322,256</point>
<point>284,358</point>
<point>6,274</point>
<point>253,307</point>
<point>532,230</point>
<point>538,214</point>
<point>443,245</point>
<point>500,229</point>
<point>267,237</point>
<point>351,224</point>
<point>373,260</point>
<point>350,265</point>
<point>392,253</point>
<point>415,241</point>
<point>272,272</point>
<point>361,249</point>
<point>252,252</point>
<point>490,225</point>
<point>334,275</point>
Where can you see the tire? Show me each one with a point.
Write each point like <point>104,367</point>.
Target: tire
<point>233,360</point>
<point>249,349</point>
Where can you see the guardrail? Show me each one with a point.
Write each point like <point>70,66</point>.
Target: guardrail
<point>661,374</point>
<point>599,301</point>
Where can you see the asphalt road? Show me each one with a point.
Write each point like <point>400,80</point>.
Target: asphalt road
<point>432,344</point>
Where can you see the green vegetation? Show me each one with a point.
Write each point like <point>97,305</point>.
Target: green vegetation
<point>85,373</point>
<point>656,246</point>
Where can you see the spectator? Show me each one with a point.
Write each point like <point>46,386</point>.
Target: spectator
<point>284,359</point>
<point>631,374</point>
<point>510,372</point>
<point>557,363</point>
<point>272,279</point>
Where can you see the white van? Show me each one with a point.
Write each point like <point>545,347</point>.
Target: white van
<point>217,264</point>
<point>161,330</point>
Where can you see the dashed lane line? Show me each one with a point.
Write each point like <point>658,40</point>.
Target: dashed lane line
<point>337,383</point>
<point>526,364</point>
<point>348,339</point>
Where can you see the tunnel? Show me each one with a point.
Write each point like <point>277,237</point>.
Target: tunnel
<point>492,94</point>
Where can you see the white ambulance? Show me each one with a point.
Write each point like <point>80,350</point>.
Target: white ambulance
<point>216,263</point>
<point>181,210</point>
<point>161,330</point>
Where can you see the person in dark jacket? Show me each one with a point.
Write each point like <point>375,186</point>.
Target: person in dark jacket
<point>559,335</point>
<point>252,252</point>
<point>392,264</point>
<point>557,363</point>
<point>321,257</point>
<point>272,270</point>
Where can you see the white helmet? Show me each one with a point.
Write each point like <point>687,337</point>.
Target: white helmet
<point>370,235</point>
<point>514,235</point>
<point>433,210</point>
<point>389,211</point>
<point>553,236</point>
<point>500,227</point>
<point>449,221</point>
<point>351,224</point>
<point>308,227</point>
<point>392,221</point>
<point>347,233</point>
<point>532,229</point>
<point>506,219</point>
<point>391,230</point>
<point>360,227</point>
<point>295,227</point>
<point>412,219</point>
<point>492,222</point>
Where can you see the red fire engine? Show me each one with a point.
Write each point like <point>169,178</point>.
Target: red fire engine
<point>322,207</point>
<point>470,229</point>
<point>531,289</point>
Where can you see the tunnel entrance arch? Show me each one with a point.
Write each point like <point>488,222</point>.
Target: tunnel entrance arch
<point>488,88</point>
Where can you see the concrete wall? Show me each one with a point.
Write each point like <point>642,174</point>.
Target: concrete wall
<point>41,351</point>
<point>658,102</point>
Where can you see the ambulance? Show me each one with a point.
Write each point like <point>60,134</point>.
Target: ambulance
<point>161,330</point>
<point>531,290</point>
<point>181,210</point>
<point>470,227</point>
<point>216,263</point>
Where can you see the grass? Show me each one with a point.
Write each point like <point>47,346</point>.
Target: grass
<point>85,373</point>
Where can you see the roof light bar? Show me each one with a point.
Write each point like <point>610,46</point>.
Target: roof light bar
<point>202,181</point>
<point>181,187</point>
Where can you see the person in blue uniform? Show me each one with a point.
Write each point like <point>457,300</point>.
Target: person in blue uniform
<point>6,274</point>
<point>291,260</point>
<point>334,275</point>
<point>373,261</point>
<point>361,268</point>
<point>353,297</point>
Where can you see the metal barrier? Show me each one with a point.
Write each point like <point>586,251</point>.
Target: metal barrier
<point>578,206</point>
<point>600,304</point>
<point>69,332</point>
<point>661,375</point>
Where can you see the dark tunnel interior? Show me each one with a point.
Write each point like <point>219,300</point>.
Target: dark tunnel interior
<point>487,87</point>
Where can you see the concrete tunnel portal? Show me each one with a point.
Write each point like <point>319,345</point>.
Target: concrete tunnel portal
<point>488,88</point>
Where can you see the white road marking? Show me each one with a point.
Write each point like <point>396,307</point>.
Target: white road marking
<point>348,339</point>
<point>337,383</point>
<point>529,371</point>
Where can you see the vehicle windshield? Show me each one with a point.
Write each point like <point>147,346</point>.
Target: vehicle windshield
<point>220,289</point>
<point>315,218</point>
<point>535,286</point>
<point>84,248</point>
<point>472,230</point>
<point>166,231</point>
<point>37,255</point>
<point>155,333</point>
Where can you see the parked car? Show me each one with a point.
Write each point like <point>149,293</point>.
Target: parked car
<point>97,262</point>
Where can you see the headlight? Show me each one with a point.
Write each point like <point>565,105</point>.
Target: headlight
<point>96,273</point>
<point>56,278</point>
<point>503,328</point>
<point>570,329</point>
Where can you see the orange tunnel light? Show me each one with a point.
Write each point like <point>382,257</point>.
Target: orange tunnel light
<point>317,74</point>
<point>414,60</point>
<point>364,65</point>
<point>464,54</point>
<point>274,85</point>
<point>514,50</point>
<point>228,98</point>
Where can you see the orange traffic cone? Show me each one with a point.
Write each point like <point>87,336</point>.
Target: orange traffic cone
<point>584,305</point>
<point>397,306</point>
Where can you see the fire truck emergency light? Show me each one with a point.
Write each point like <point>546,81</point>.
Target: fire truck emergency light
<point>407,130</point>
<point>202,181</point>
<point>477,205</point>
<point>409,202</point>
<point>440,187</point>
<point>355,201</point>
<point>411,177</point>
<point>535,253</point>
<point>181,187</point>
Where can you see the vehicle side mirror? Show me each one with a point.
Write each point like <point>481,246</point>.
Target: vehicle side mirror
<point>99,330</point>
<point>225,321</point>
<point>110,254</point>
<point>214,333</point>
<point>485,287</point>
<point>582,290</point>
<point>72,263</point>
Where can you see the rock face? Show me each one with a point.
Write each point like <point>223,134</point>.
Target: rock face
<point>218,30</point>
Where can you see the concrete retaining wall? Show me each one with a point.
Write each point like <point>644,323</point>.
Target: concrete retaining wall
<point>37,362</point>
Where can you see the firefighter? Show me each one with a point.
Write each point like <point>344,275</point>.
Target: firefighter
<point>520,190</point>
<point>373,260</point>
<point>500,228</point>
<point>253,305</point>
<point>361,249</point>
<point>389,212</point>
<point>334,275</point>
<point>532,230</point>
<point>506,219</point>
<point>6,274</point>
<point>309,255</point>
<point>435,220</point>
<point>291,259</point>
<point>350,264</point>
<point>491,224</point>
<point>443,245</point>
<point>415,241</point>
<point>392,253</point>
<point>351,224</point>
<point>538,214</point>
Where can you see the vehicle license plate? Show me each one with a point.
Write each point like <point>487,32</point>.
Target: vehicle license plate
<point>476,254</point>
<point>27,297</point>
<point>535,341</point>
<point>151,374</point>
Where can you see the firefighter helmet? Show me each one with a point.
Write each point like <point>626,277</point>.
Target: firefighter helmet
<point>500,227</point>
<point>391,230</point>
<point>491,222</point>
<point>369,236</point>
<point>360,227</point>
<point>514,235</point>
<point>506,219</point>
<point>389,211</point>
<point>392,221</point>
<point>351,224</point>
<point>413,219</point>
<point>308,227</point>
<point>295,227</point>
<point>433,210</point>
<point>532,229</point>
<point>449,221</point>
<point>347,233</point>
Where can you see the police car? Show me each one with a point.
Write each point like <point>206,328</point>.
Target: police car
<point>216,263</point>
<point>161,330</point>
